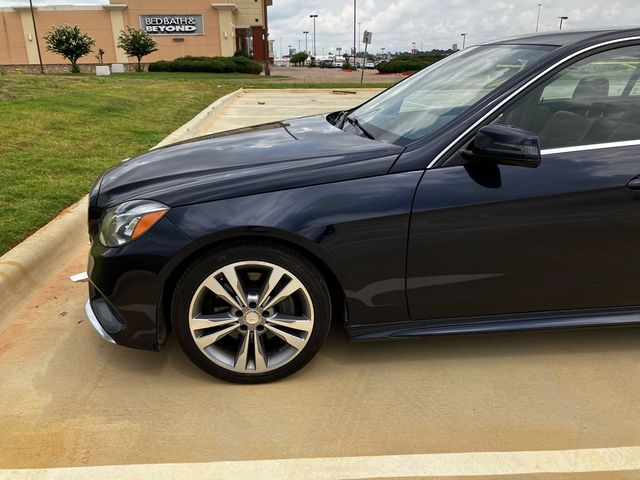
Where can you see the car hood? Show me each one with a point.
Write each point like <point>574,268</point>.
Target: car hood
<point>275,156</point>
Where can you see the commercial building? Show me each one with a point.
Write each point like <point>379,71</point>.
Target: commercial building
<point>187,27</point>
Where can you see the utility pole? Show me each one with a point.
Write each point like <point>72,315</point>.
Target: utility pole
<point>267,69</point>
<point>538,20</point>
<point>464,39</point>
<point>306,37</point>
<point>413,50</point>
<point>359,39</point>
<point>314,34</point>
<point>35,32</point>
<point>561,20</point>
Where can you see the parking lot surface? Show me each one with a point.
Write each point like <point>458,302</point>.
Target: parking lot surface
<point>252,107</point>
<point>69,399</point>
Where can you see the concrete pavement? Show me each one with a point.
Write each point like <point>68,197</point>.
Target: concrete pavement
<point>251,107</point>
<point>67,398</point>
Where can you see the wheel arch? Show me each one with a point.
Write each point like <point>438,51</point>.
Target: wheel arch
<point>336,290</point>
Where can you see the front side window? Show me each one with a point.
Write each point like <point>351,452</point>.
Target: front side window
<point>439,94</point>
<point>594,100</point>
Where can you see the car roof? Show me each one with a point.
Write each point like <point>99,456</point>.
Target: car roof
<point>559,39</point>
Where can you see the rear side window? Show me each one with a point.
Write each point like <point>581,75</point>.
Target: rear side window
<point>595,100</point>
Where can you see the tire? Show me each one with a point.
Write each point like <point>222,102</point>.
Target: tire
<point>251,312</point>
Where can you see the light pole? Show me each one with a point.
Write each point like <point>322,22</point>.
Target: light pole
<point>464,39</point>
<point>355,10</point>
<point>359,38</point>
<point>538,20</point>
<point>562,19</point>
<point>382,50</point>
<point>413,50</point>
<point>306,37</point>
<point>35,32</point>
<point>314,33</point>
<point>299,44</point>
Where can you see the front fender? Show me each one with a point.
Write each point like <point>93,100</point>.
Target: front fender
<point>358,228</point>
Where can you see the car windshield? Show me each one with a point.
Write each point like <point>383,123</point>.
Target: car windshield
<point>440,93</point>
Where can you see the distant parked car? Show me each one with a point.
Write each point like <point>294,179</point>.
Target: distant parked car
<point>496,190</point>
<point>338,64</point>
<point>369,64</point>
<point>326,64</point>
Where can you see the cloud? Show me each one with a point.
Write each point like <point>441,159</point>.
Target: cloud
<point>436,24</point>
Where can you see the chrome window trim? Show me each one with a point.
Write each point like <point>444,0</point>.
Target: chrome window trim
<point>516,92</point>
<point>593,146</point>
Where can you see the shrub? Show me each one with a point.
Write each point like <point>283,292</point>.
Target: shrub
<point>239,64</point>
<point>69,42</point>
<point>241,53</point>
<point>407,63</point>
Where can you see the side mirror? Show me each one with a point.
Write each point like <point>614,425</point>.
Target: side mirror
<point>504,145</point>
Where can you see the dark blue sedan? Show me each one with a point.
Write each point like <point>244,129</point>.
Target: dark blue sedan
<point>496,190</point>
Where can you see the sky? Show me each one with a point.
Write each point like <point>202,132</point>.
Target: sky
<point>436,24</point>
<point>429,23</point>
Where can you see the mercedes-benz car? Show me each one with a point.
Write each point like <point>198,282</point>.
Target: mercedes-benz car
<point>496,190</point>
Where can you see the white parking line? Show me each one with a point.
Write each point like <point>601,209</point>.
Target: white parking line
<point>391,466</point>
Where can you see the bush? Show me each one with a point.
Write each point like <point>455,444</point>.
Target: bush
<point>241,53</point>
<point>411,63</point>
<point>238,64</point>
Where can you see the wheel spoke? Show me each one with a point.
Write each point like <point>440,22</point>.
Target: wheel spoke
<point>214,285</point>
<point>293,286</point>
<point>232,277</point>
<point>275,275</point>
<point>243,354</point>
<point>259,353</point>
<point>207,321</point>
<point>209,339</point>
<point>296,342</point>
<point>296,323</point>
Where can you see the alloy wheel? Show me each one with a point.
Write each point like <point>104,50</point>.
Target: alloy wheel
<point>251,317</point>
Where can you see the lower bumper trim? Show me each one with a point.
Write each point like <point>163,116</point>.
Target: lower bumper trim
<point>96,324</point>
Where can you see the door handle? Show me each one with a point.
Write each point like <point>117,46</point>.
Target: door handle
<point>634,183</point>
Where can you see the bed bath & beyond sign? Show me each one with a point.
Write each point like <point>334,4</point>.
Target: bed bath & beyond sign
<point>172,24</point>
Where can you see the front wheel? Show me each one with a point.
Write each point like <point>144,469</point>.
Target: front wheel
<point>251,313</point>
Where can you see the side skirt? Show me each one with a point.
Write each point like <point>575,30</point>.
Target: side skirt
<point>498,323</point>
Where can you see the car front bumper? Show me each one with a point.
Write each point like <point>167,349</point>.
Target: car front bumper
<point>127,285</point>
<point>88,310</point>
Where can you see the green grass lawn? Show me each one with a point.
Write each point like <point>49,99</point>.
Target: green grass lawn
<point>58,132</point>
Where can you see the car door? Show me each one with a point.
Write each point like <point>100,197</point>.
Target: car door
<point>499,239</point>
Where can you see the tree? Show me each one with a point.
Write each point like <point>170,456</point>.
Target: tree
<point>69,42</point>
<point>299,58</point>
<point>137,43</point>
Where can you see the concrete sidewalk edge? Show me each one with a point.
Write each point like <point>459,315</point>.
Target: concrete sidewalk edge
<point>25,266</point>
<point>184,131</point>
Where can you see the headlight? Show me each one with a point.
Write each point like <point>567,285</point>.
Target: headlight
<point>126,222</point>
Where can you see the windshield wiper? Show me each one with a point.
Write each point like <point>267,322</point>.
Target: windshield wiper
<point>356,123</point>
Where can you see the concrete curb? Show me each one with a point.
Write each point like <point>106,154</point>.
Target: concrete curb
<point>25,267</point>
<point>185,130</point>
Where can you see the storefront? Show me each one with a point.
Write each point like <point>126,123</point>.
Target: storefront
<point>188,27</point>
